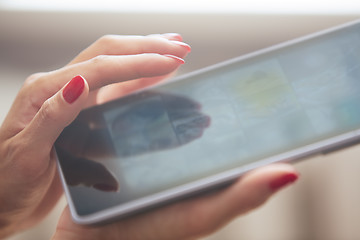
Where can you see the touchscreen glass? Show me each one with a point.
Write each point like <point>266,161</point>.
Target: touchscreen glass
<point>183,131</point>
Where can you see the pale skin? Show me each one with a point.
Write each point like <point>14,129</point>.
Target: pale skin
<point>29,183</point>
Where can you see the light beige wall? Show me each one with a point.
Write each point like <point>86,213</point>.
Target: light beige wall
<point>322,205</point>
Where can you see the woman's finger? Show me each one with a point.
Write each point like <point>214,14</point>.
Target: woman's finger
<point>104,70</point>
<point>55,114</point>
<point>132,45</point>
<point>99,72</point>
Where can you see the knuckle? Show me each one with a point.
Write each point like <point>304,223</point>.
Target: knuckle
<point>100,63</point>
<point>99,60</point>
<point>47,113</point>
<point>106,39</point>
<point>33,78</point>
<point>28,94</point>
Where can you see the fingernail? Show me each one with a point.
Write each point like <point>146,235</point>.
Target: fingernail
<point>174,36</point>
<point>186,46</point>
<point>105,187</point>
<point>73,89</point>
<point>179,60</point>
<point>283,181</point>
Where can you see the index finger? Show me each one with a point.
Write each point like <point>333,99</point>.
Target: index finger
<point>131,45</point>
<point>105,69</point>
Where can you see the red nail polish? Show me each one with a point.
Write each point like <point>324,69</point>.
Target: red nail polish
<point>283,181</point>
<point>186,46</point>
<point>73,89</point>
<point>179,60</point>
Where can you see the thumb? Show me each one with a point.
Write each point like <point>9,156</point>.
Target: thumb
<point>56,113</point>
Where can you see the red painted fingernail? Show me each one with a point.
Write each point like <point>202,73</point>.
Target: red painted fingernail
<point>179,60</point>
<point>73,89</point>
<point>186,46</point>
<point>283,181</point>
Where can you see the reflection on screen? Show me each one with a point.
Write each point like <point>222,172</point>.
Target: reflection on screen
<point>180,132</point>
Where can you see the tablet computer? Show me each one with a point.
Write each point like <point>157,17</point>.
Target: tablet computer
<point>205,129</point>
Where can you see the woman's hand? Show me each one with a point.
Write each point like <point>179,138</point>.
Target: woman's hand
<point>48,102</point>
<point>29,185</point>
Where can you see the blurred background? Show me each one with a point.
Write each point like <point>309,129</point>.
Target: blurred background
<point>44,35</point>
